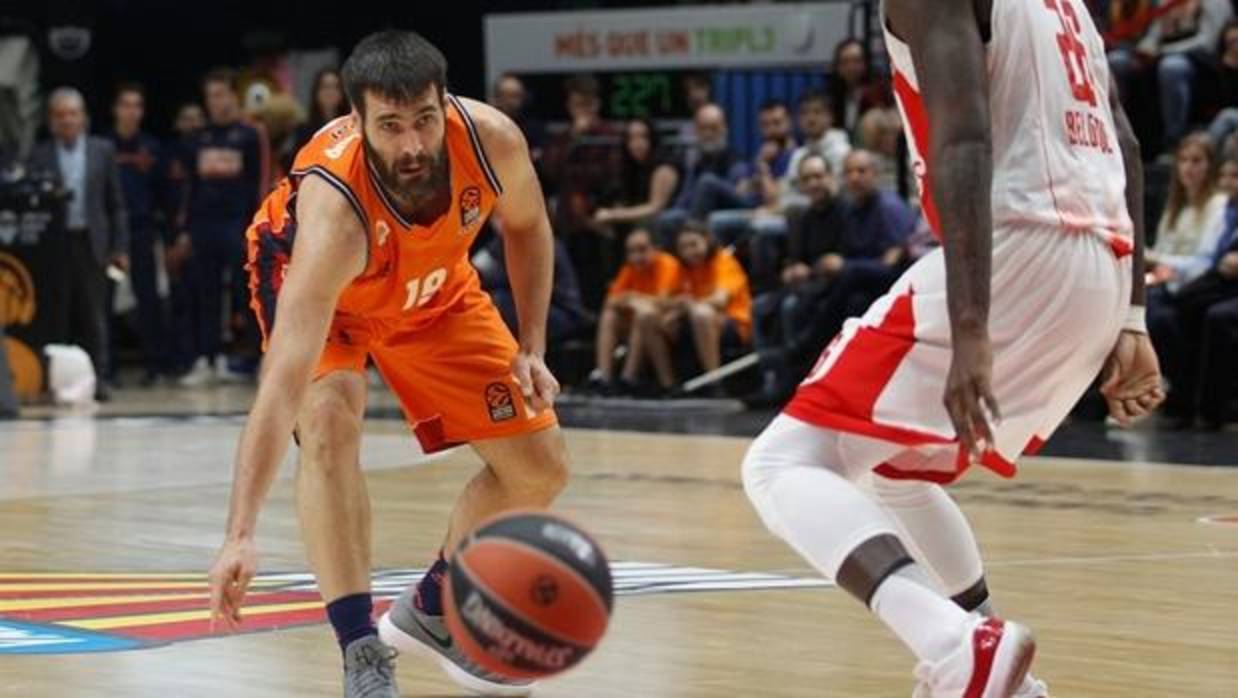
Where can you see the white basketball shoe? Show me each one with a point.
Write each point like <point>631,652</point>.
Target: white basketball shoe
<point>991,662</point>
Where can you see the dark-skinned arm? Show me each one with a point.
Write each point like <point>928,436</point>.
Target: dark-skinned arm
<point>949,57</point>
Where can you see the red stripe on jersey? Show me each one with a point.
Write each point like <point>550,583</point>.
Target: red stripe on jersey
<point>852,385</point>
<point>918,123</point>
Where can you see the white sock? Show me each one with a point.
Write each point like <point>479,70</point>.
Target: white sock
<point>934,530</point>
<point>927,623</point>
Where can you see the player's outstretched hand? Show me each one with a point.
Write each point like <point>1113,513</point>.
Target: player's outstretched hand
<point>969,393</point>
<point>1131,380</point>
<point>538,385</point>
<point>230,576</point>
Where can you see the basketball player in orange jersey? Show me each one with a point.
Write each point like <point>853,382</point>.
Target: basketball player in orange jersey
<point>362,252</point>
<point>1030,174</point>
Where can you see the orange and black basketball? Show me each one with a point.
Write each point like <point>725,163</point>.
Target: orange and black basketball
<point>528,595</point>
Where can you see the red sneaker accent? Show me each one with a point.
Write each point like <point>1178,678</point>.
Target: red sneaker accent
<point>984,642</point>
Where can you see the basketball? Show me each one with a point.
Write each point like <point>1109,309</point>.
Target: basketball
<point>528,595</point>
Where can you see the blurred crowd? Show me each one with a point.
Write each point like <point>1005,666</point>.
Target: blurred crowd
<point>675,252</point>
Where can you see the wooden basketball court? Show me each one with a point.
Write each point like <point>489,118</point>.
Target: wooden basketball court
<point>109,525</point>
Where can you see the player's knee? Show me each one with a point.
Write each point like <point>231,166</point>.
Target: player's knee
<point>542,469</point>
<point>759,466</point>
<point>328,431</point>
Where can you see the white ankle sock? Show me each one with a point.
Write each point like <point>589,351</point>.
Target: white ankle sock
<point>930,625</point>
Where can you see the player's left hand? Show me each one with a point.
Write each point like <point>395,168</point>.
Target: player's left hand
<point>1131,379</point>
<point>537,383</point>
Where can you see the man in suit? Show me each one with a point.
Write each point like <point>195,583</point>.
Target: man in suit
<point>95,219</point>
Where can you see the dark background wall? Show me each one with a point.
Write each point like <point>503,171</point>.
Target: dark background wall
<point>168,44</point>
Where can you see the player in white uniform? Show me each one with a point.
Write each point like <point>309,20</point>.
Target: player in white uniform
<point>1030,175</point>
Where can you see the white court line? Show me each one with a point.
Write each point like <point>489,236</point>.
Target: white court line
<point>1081,560</point>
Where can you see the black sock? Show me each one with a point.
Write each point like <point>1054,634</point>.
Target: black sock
<point>429,596</point>
<point>351,618</point>
<point>975,599</point>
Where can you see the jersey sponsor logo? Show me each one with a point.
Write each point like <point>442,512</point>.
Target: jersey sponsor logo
<point>470,208</point>
<point>69,613</point>
<point>499,400</point>
<point>381,231</point>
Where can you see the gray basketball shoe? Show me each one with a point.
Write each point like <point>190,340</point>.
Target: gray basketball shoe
<point>369,669</point>
<point>407,629</point>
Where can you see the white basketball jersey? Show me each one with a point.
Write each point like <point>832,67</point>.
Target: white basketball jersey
<point>1056,159</point>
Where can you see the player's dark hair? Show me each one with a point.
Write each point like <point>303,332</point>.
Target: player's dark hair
<point>393,64</point>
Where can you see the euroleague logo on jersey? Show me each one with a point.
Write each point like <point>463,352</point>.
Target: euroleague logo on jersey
<point>470,208</point>
<point>499,400</point>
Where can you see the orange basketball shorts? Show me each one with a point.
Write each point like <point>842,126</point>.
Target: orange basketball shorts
<point>453,377</point>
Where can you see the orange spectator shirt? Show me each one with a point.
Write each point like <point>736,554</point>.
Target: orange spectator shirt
<point>413,273</point>
<point>660,278</point>
<point>723,271</point>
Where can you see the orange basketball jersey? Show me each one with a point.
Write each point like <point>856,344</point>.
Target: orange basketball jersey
<point>413,273</point>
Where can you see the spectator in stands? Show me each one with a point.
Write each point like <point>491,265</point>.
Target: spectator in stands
<point>730,208</point>
<point>567,316</point>
<point>881,130</point>
<point>853,88</point>
<point>816,122</point>
<point>96,221</point>
<point>327,102</point>
<point>1225,123</point>
<point>646,184</point>
<point>850,267</point>
<point>579,167</point>
<point>1180,43</point>
<point>1196,333</point>
<point>813,233</point>
<point>581,161</point>
<point>143,179</point>
<point>222,190</point>
<point>510,97</point>
<point>632,316</point>
<point>1192,217</point>
<point>698,90</point>
<point>714,304</point>
<point>189,119</point>
<point>707,165</point>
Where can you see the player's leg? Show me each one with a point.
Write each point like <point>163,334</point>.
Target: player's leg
<point>332,502</point>
<point>938,535</point>
<point>793,474</point>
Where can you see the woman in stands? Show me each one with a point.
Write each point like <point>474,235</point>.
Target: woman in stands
<point>714,305</point>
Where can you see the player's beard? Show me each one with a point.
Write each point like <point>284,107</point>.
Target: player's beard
<point>416,193</point>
